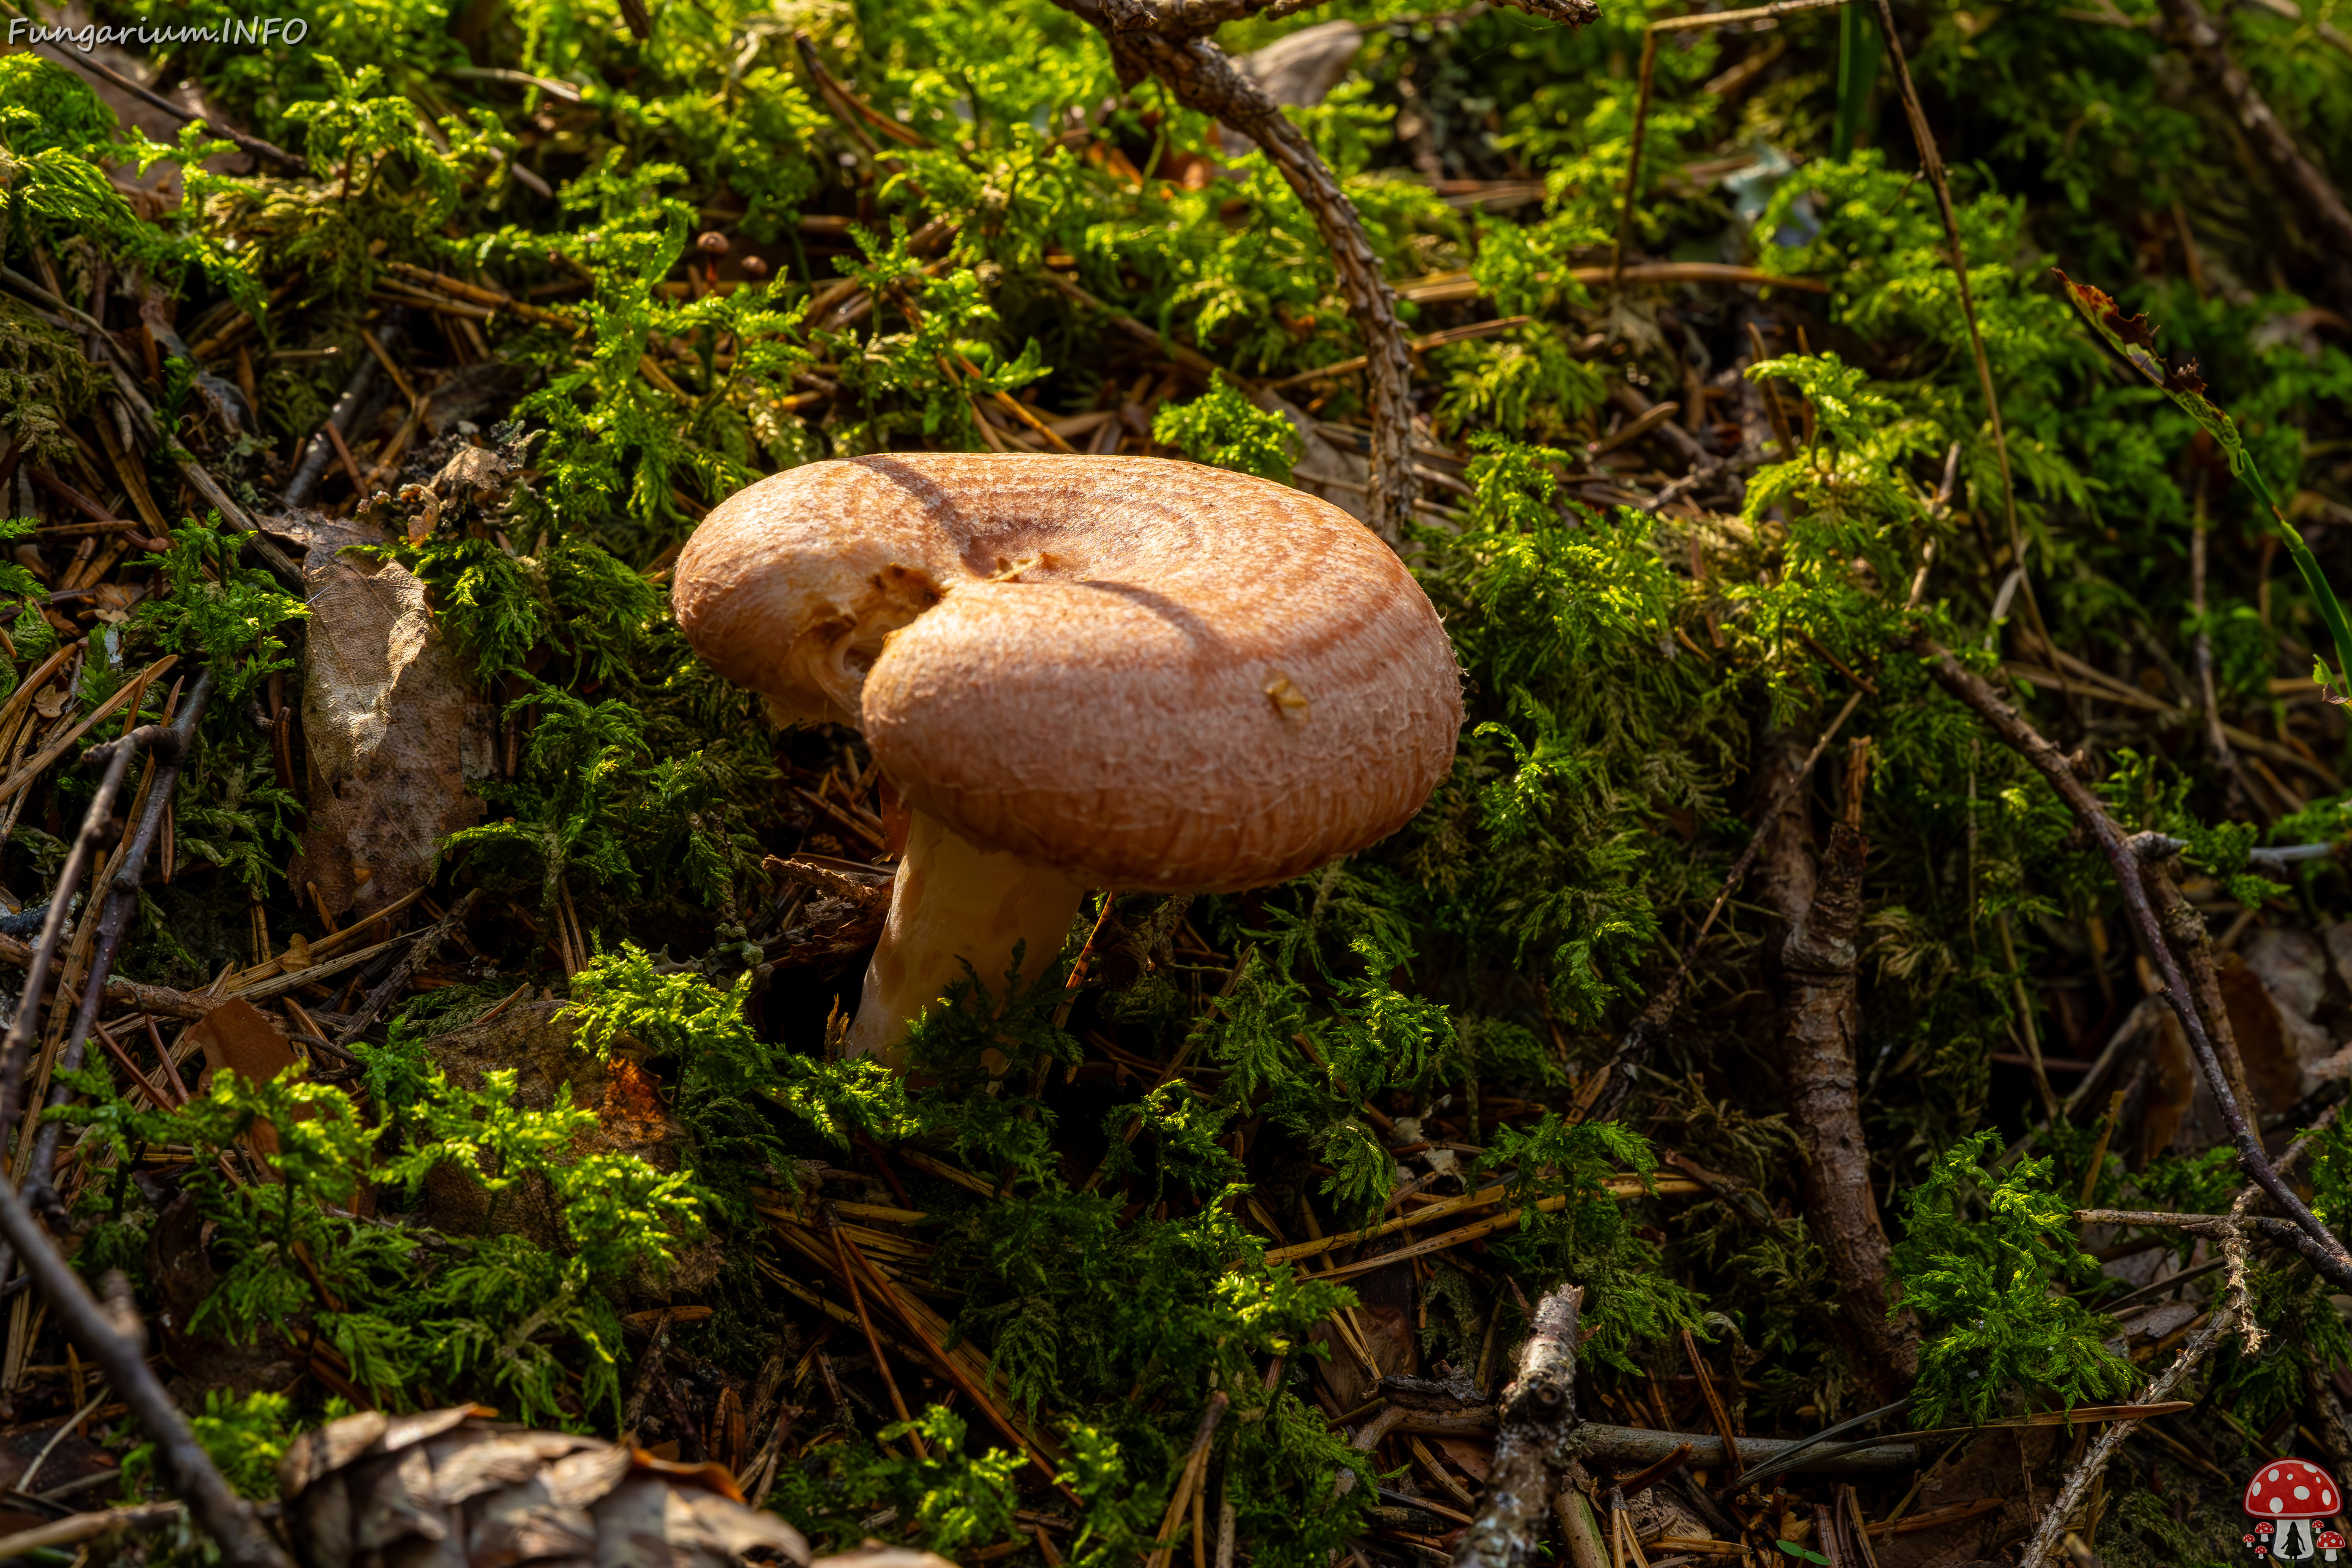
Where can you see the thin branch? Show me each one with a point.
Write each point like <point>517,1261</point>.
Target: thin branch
<point>2235,796</point>
<point>2307,185</point>
<point>1203,78</point>
<point>75,1529</point>
<point>1195,19</point>
<point>320,450</point>
<point>1931,164</point>
<point>227,1518</point>
<point>169,747</point>
<point>1538,1415</point>
<point>1649,1030</point>
<point>418,951</point>
<point>1641,101</point>
<point>262,151</point>
<point>16,1050</point>
<point>2123,858</point>
<point>2078,1484</point>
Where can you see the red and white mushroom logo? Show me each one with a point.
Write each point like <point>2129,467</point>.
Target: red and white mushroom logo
<point>2330,1543</point>
<point>2295,1496</point>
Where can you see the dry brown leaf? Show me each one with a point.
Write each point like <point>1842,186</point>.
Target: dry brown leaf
<point>2292,965</point>
<point>391,732</point>
<point>1475,1458</point>
<point>114,601</point>
<point>237,1036</point>
<point>451,1485</point>
<point>49,704</point>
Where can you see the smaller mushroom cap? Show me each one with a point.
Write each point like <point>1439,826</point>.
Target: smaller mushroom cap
<point>711,240</point>
<point>2291,1489</point>
<point>753,267</point>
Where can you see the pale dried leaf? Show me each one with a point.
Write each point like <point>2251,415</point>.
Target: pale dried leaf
<point>391,731</point>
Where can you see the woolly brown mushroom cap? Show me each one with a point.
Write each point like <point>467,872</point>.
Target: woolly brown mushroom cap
<point>1152,675</point>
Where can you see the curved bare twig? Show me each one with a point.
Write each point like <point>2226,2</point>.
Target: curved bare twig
<point>1168,39</point>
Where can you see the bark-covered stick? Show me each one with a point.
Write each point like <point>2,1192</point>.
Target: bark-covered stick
<point>418,951</point>
<point>1586,1549</point>
<point>17,1048</point>
<point>1638,1446</point>
<point>1650,1028</point>
<point>2319,1243</point>
<point>169,746</point>
<point>2315,197</point>
<point>1539,1413</point>
<point>227,1518</point>
<point>1172,47</point>
<point>2078,1484</point>
<point>1813,966</point>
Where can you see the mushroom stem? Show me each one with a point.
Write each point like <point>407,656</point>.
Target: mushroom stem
<point>953,903</point>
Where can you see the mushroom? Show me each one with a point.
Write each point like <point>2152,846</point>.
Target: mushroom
<point>2294,1492</point>
<point>2330,1543</point>
<point>1079,673</point>
<point>713,243</point>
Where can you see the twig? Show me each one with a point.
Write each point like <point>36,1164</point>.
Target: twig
<point>75,1529</point>
<point>837,94</point>
<point>169,746</point>
<point>2078,1484</point>
<point>866,1322</point>
<point>2234,794</point>
<point>2320,1244</point>
<point>2311,193</point>
<point>2023,1001</point>
<point>24,1481</point>
<point>1187,1482</point>
<point>1418,346</point>
<point>17,1047</point>
<point>1615,272</point>
<point>1715,1408</point>
<point>946,1364</point>
<point>1649,1030</point>
<point>227,1518</point>
<point>261,150</point>
<point>418,951</point>
<point>1445,1208</point>
<point>1177,18</point>
<point>320,450</point>
<point>1190,358</point>
<point>1800,1454</point>
<point>1538,1414</point>
<point>1203,78</point>
<point>1931,164</point>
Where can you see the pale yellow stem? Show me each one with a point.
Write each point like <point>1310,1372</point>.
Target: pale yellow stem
<point>954,902</point>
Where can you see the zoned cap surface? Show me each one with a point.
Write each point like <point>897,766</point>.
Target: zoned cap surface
<point>1154,674</point>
